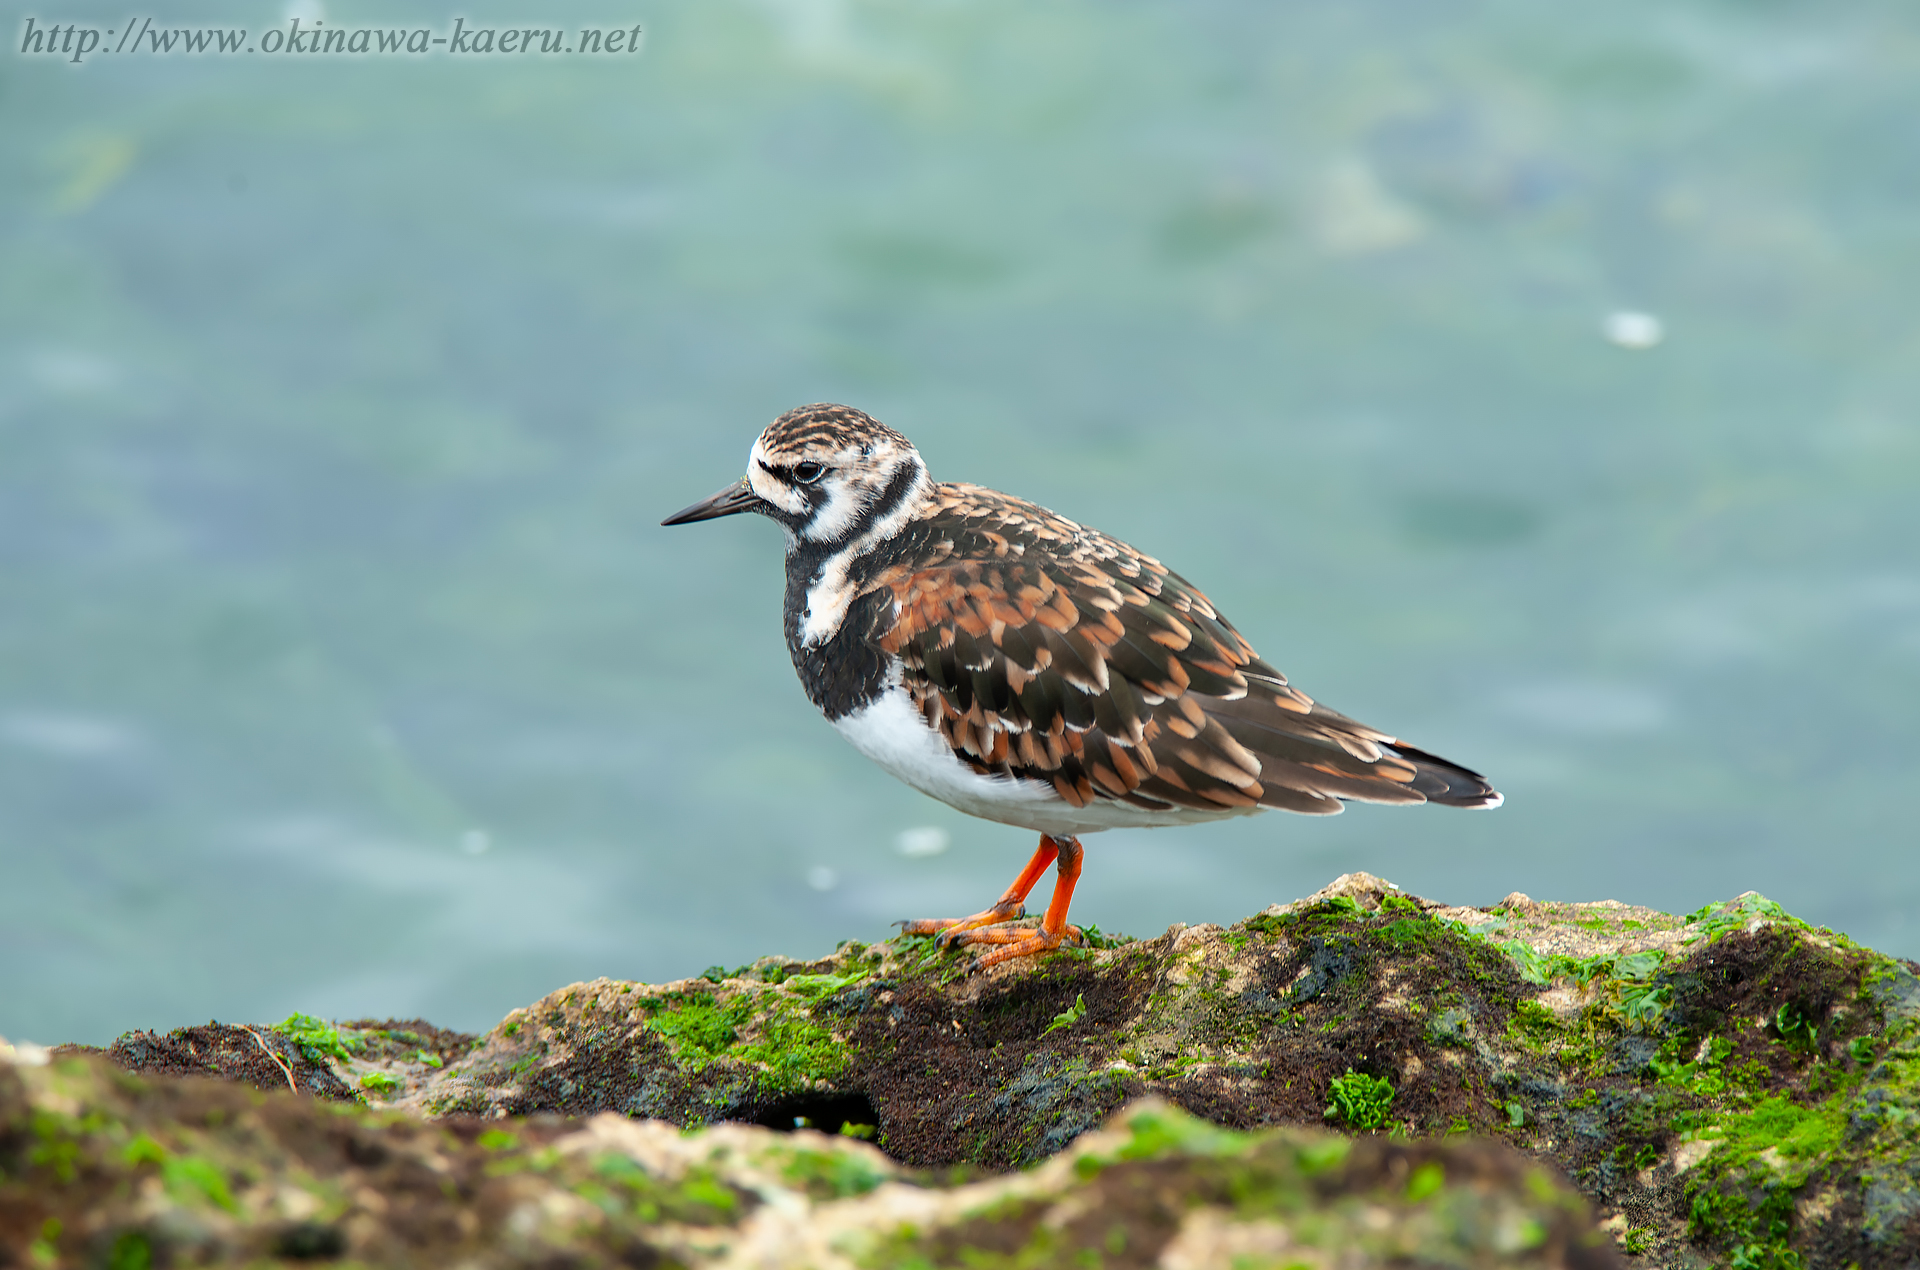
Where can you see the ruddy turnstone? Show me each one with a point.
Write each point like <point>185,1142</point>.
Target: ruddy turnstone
<point>1029,670</point>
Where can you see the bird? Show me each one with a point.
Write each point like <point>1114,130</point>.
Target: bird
<point>1030,670</point>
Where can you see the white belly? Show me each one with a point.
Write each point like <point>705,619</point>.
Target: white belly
<point>892,733</point>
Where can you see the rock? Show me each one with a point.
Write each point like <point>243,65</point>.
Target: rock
<point>101,1168</point>
<point>1732,1085</point>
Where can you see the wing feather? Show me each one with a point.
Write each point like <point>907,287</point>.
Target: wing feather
<point>1048,651</point>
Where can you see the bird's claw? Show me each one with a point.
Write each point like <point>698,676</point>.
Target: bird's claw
<point>1020,941</point>
<point>1001,925</point>
<point>955,936</point>
<point>1010,939</point>
<point>948,929</point>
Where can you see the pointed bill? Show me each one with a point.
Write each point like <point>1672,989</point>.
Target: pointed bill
<point>734,499</point>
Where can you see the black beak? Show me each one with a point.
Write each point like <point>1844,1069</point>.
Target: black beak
<point>734,499</point>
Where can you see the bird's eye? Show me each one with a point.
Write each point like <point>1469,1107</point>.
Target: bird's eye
<point>808,473</point>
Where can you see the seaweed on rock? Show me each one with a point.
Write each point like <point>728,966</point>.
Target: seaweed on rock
<point>1731,1085</point>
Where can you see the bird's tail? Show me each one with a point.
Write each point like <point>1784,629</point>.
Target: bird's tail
<point>1447,784</point>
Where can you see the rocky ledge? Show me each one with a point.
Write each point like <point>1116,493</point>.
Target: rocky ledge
<point>1359,1078</point>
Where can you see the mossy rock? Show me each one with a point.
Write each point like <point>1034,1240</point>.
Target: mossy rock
<point>101,1168</point>
<point>1730,1087</point>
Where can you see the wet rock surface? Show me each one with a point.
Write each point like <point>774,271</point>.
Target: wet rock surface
<point>1729,1088</point>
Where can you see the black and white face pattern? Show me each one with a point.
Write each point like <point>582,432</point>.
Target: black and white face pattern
<point>834,477</point>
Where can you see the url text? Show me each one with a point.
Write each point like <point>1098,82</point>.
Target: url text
<point>77,42</point>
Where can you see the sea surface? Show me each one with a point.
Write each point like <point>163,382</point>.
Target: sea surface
<point>1538,383</point>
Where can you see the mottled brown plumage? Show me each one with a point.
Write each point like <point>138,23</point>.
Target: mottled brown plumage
<point>1043,650</point>
<point>1056,677</point>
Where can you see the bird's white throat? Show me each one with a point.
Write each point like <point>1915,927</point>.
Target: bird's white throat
<point>832,590</point>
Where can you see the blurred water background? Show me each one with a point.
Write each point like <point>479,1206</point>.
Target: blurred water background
<point>1537,382</point>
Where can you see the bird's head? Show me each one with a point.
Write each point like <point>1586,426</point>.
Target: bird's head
<point>828,474</point>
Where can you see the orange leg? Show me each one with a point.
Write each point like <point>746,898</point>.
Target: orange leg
<point>994,925</point>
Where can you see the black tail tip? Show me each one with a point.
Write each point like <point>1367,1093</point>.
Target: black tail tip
<point>1449,784</point>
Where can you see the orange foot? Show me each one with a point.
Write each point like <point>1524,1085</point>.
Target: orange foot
<point>995,925</point>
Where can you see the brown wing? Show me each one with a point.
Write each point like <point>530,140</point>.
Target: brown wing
<point>1045,650</point>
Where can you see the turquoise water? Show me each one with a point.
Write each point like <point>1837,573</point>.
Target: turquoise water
<point>343,664</point>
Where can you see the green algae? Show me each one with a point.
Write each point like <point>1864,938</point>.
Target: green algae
<point>794,1051</point>
<point>1069,1016</point>
<point>1532,1027</point>
<point>131,1250</point>
<point>1705,1074</point>
<point>1792,1024</point>
<point>1724,917</point>
<point>1752,1227</point>
<point>830,1174</point>
<point>699,1198</point>
<point>1297,1197</point>
<point>1155,1135</point>
<point>1646,1047</point>
<point>1738,1063</point>
<point>1807,1135</point>
<point>318,1039</point>
<point>1360,1101</point>
<point>825,985</point>
<point>1410,932</point>
<point>1780,1126</point>
<point>766,1029</point>
<point>1427,1180</point>
<point>190,1176</point>
<point>699,1027</point>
